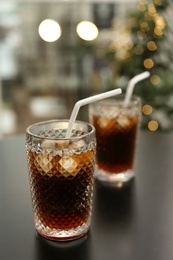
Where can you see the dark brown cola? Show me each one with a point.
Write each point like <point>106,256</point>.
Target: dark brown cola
<point>115,143</point>
<point>61,189</point>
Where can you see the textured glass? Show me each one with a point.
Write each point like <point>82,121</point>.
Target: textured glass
<point>61,179</point>
<point>116,132</point>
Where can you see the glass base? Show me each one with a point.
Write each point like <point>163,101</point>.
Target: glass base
<point>62,235</point>
<point>115,178</point>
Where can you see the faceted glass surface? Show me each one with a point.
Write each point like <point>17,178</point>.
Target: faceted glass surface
<point>61,182</point>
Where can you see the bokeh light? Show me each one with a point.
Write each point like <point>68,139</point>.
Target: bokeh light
<point>147,109</point>
<point>153,125</point>
<point>151,10</point>
<point>155,79</point>
<point>49,30</point>
<point>87,31</point>
<point>138,49</point>
<point>141,6</point>
<point>151,45</point>
<point>144,27</point>
<point>148,63</point>
<point>158,31</point>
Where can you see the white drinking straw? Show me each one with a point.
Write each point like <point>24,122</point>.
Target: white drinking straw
<point>132,84</point>
<point>86,101</point>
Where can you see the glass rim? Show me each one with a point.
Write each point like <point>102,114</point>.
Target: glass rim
<point>116,99</point>
<point>90,132</point>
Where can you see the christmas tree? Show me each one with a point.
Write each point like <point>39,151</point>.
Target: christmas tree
<point>148,49</point>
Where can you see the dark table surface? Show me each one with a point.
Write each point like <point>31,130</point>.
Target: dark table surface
<point>134,222</point>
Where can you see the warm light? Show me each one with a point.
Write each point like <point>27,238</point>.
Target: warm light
<point>157,2</point>
<point>151,46</point>
<point>153,125</point>
<point>144,26</point>
<point>148,63</point>
<point>138,50</point>
<point>159,21</point>
<point>141,7</point>
<point>147,109</point>
<point>141,35</point>
<point>49,30</point>
<point>88,31</point>
<point>151,9</point>
<point>155,79</point>
<point>122,54</point>
<point>158,31</point>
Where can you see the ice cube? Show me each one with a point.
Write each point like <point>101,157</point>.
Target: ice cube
<point>48,144</point>
<point>55,144</point>
<point>103,122</point>
<point>112,112</point>
<point>68,166</point>
<point>61,144</point>
<point>79,144</point>
<point>44,163</point>
<point>123,122</point>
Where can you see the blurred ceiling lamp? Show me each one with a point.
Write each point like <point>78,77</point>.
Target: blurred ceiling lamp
<point>88,31</point>
<point>49,30</point>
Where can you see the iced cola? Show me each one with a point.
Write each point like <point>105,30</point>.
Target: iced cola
<point>61,175</point>
<point>116,133</point>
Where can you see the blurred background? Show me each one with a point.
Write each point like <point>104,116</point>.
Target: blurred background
<point>53,53</point>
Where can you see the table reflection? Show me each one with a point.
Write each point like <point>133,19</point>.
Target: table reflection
<point>47,249</point>
<point>114,211</point>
